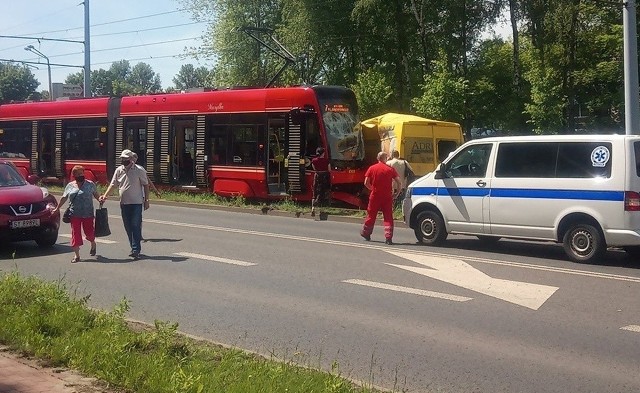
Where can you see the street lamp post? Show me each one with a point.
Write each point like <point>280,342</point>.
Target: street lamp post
<point>32,49</point>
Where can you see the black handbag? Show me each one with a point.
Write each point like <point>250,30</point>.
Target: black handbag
<point>66,217</point>
<point>102,222</point>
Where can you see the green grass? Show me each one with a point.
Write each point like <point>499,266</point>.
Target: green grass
<point>42,319</point>
<point>286,205</point>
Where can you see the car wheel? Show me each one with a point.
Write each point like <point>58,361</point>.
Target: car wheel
<point>583,243</point>
<point>489,239</point>
<point>430,229</point>
<point>48,238</point>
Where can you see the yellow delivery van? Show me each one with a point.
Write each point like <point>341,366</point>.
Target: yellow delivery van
<point>424,143</point>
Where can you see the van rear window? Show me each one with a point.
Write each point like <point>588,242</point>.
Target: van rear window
<point>554,160</point>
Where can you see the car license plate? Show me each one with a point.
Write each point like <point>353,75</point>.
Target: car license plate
<point>25,223</point>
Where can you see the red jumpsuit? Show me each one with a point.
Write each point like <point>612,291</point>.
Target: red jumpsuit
<point>381,198</point>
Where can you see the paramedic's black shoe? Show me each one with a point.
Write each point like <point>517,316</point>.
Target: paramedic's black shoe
<point>389,242</point>
<point>366,237</point>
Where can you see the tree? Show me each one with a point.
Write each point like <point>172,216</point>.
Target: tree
<point>190,77</point>
<point>495,100</point>
<point>443,95</point>
<point>372,92</point>
<point>17,83</point>
<point>239,59</point>
<point>120,80</point>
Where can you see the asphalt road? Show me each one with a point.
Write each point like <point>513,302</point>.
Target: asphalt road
<point>513,317</point>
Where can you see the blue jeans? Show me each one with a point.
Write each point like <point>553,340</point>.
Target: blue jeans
<point>132,220</point>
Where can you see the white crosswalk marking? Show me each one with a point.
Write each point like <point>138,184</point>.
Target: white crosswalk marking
<point>631,328</point>
<point>413,291</point>
<point>215,259</point>
<point>98,240</point>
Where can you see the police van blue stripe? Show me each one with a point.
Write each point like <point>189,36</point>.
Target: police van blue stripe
<point>589,195</point>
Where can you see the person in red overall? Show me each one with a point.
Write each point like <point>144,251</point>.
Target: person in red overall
<point>380,179</point>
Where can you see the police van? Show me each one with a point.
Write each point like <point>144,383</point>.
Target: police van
<point>579,190</point>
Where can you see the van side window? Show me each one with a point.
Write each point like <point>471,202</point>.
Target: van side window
<point>471,162</point>
<point>636,149</point>
<point>534,160</point>
<point>584,160</point>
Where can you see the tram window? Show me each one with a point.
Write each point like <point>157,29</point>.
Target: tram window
<point>218,145</point>
<point>85,140</point>
<point>312,137</point>
<point>245,145</point>
<point>15,140</point>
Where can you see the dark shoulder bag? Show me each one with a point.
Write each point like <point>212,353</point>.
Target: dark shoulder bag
<point>408,173</point>
<point>66,217</point>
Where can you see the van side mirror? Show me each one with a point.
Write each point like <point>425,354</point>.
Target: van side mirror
<point>441,171</point>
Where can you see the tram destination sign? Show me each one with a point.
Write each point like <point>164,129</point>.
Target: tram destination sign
<point>61,90</point>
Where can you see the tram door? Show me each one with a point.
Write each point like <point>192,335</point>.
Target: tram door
<point>136,140</point>
<point>46,149</point>
<point>276,171</point>
<point>182,156</point>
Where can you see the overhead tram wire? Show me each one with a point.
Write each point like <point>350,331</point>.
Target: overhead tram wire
<point>127,47</point>
<point>109,23</point>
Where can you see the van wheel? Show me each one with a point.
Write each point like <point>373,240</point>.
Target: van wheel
<point>583,243</point>
<point>488,239</point>
<point>430,229</point>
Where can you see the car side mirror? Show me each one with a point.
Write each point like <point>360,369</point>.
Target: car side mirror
<point>440,174</point>
<point>33,179</point>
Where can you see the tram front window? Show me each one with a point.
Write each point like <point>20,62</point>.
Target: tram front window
<point>340,117</point>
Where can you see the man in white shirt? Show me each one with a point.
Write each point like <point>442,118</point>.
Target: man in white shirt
<point>400,166</point>
<point>133,185</point>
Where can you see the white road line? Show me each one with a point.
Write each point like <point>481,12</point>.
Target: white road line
<point>631,328</point>
<point>98,240</point>
<point>215,259</point>
<point>413,291</point>
<point>574,272</point>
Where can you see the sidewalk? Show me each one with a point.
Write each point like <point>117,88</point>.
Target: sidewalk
<point>23,375</point>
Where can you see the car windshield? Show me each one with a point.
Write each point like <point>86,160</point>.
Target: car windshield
<point>9,177</point>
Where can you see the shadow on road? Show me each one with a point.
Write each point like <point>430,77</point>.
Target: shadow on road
<point>553,251</point>
<point>161,240</point>
<point>22,250</point>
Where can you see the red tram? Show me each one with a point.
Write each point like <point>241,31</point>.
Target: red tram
<point>255,143</point>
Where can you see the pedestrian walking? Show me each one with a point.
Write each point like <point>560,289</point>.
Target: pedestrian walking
<point>404,170</point>
<point>133,186</point>
<point>321,181</point>
<point>152,187</point>
<point>381,180</point>
<point>80,192</point>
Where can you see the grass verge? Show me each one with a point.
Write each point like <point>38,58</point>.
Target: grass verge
<point>42,319</point>
<point>286,205</point>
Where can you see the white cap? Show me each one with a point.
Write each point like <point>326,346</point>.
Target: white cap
<point>126,153</point>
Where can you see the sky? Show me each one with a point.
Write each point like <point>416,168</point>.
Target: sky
<point>154,32</point>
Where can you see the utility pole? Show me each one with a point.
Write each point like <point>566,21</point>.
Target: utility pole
<point>87,52</point>
<point>32,49</point>
<point>631,105</point>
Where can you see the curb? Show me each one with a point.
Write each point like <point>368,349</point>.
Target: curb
<point>271,212</point>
